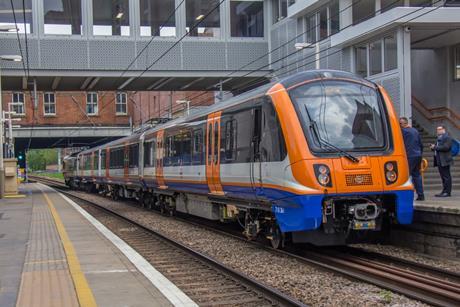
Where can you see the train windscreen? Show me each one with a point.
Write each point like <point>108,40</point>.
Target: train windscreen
<point>340,115</point>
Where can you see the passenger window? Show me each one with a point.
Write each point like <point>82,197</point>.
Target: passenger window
<point>230,140</point>
<point>197,152</point>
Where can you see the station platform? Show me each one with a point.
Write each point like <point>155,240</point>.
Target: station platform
<point>439,204</point>
<point>435,229</point>
<point>52,253</point>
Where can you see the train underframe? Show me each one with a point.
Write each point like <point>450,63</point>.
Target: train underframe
<point>345,220</point>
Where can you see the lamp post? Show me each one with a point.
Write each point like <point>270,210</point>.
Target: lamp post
<point>14,58</point>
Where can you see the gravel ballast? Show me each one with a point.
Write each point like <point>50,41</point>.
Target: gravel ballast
<point>306,283</point>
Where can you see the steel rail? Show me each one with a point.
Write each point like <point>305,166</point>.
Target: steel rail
<point>418,286</point>
<point>270,292</point>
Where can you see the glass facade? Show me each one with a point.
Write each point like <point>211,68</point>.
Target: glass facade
<point>62,17</point>
<point>203,18</point>
<point>386,5</point>
<point>157,18</point>
<point>279,9</point>
<point>247,18</point>
<point>323,23</point>
<point>111,17</point>
<point>363,10</point>
<point>11,9</point>
<point>361,60</point>
<point>375,57</point>
<point>390,51</point>
<point>49,104</point>
<point>334,16</point>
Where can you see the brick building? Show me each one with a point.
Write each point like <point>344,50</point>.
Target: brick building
<point>109,108</point>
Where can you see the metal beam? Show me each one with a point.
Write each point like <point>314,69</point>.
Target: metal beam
<point>191,83</point>
<point>154,84</point>
<point>163,83</point>
<point>55,84</point>
<point>126,83</point>
<point>85,83</point>
<point>93,83</point>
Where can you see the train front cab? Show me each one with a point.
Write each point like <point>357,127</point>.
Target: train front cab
<point>343,201</point>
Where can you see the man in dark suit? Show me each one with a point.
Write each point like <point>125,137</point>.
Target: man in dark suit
<point>443,159</point>
<point>414,150</point>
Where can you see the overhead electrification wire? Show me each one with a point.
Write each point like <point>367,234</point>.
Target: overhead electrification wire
<point>196,25</point>
<point>263,80</point>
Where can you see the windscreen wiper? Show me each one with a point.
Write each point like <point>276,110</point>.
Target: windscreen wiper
<point>321,141</point>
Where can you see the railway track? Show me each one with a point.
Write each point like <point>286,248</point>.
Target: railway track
<point>424,283</point>
<point>205,280</point>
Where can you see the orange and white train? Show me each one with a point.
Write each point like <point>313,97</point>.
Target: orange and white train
<point>317,157</point>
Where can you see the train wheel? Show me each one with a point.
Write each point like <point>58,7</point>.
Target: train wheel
<point>276,237</point>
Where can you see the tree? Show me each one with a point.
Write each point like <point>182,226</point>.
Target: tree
<point>38,159</point>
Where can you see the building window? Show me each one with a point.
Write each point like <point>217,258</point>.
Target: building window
<point>199,13</point>
<point>386,5</point>
<point>154,18</point>
<point>49,104</point>
<point>420,2</point>
<point>361,60</point>
<point>279,10</point>
<point>17,103</point>
<point>323,23</point>
<point>62,17</point>
<point>363,10</point>
<point>91,104</point>
<point>111,17</point>
<point>390,53</point>
<point>334,17</point>
<point>247,18</point>
<point>7,16</point>
<point>376,57</point>
<point>311,29</point>
<point>120,103</point>
<point>457,63</point>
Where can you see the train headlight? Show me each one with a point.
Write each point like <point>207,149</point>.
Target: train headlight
<point>391,172</point>
<point>323,175</point>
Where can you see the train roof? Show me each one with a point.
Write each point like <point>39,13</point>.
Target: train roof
<point>259,91</point>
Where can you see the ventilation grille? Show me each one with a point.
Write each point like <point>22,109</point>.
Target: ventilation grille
<point>358,179</point>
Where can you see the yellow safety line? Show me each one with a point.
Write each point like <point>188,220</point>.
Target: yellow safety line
<point>15,196</point>
<point>84,293</point>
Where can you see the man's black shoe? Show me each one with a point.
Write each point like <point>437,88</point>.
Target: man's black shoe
<point>443,194</point>
<point>421,198</point>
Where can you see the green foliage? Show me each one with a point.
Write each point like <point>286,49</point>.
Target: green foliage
<point>50,175</point>
<point>387,296</point>
<point>38,159</point>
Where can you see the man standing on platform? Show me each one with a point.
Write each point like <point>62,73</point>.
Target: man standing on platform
<point>414,150</point>
<point>443,159</point>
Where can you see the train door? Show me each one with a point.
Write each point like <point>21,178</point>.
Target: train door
<point>107,162</point>
<point>92,163</point>
<point>126,161</point>
<point>159,155</point>
<point>213,153</point>
<point>140,165</point>
<point>255,169</point>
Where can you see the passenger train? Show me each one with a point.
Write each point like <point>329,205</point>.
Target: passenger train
<point>316,157</point>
